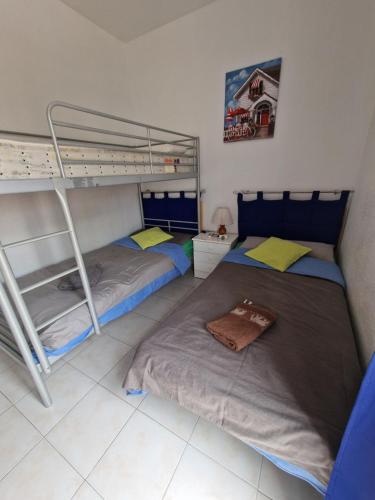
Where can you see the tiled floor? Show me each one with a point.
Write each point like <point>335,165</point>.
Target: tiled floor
<point>96,442</point>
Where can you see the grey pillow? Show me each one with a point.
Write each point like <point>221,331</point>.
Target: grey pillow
<point>73,281</point>
<point>322,251</point>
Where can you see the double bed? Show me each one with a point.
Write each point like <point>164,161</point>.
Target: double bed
<point>289,394</point>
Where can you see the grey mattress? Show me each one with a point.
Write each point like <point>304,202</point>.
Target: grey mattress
<point>124,271</point>
<point>289,393</point>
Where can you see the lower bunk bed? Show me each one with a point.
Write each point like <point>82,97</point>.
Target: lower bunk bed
<point>124,276</point>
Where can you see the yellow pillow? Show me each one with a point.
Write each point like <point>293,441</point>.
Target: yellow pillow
<point>151,237</point>
<point>277,253</point>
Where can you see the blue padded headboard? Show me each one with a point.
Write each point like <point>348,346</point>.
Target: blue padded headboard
<point>307,220</point>
<point>181,212</point>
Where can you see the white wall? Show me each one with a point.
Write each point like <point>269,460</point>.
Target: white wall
<point>49,52</point>
<point>176,79</point>
<point>358,251</point>
<point>101,215</point>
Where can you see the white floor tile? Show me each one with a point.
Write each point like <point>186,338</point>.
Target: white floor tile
<point>86,432</point>
<point>200,478</point>
<point>170,414</point>
<point>131,328</point>
<point>42,475</point>
<point>15,382</point>
<point>17,437</point>
<point>114,379</point>
<point>227,450</point>
<point>86,492</point>
<point>4,403</point>
<point>279,485</point>
<point>81,347</point>
<point>100,357</point>
<point>67,386</point>
<point>260,496</point>
<point>155,307</point>
<point>6,361</point>
<point>140,463</point>
<point>174,292</point>
<point>57,365</point>
<point>189,280</point>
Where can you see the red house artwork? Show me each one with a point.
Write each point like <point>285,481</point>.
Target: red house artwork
<point>251,96</point>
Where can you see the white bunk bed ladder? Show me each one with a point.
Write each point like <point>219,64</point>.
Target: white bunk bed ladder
<point>17,293</point>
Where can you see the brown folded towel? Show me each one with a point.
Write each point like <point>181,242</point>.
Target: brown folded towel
<point>242,325</point>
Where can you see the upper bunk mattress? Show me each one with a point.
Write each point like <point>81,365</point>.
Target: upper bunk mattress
<point>124,272</point>
<point>289,393</point>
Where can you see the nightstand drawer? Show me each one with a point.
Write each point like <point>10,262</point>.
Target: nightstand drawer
<point>208,247</point>
<point>204,260</point>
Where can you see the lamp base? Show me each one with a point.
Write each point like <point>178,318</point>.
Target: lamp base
<point>222,230</point>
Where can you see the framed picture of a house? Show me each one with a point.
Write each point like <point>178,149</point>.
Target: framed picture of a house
<point>251,96</point>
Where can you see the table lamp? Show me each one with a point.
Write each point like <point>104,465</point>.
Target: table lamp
<point>221,217</point>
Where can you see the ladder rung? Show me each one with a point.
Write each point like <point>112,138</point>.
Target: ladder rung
<point>37,238</point>
<point>61,315</point>
<point>48,280</point>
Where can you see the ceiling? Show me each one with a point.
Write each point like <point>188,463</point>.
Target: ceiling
<point>129,19</point>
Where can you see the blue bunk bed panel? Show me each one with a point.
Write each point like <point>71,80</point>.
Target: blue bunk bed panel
<point>157,211</point>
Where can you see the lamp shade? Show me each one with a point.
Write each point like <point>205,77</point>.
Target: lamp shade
<point>222,216</point>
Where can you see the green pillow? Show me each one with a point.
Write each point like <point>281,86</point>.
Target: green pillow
<point>151,237</point>
<point>277,253</point>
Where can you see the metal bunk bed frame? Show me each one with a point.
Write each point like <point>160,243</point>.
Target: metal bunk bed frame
<point>103,164</point>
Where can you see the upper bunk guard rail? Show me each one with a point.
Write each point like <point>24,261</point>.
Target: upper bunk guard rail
<point>171,153</point>
<point>91,155</point>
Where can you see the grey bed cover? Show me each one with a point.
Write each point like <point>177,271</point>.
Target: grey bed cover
<point>124,271</point>
<point>290,393</point>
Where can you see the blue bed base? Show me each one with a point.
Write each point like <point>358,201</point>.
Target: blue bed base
<point>118,310</point>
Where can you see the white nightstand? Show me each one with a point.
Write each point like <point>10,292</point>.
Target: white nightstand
<point>208,252</point>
